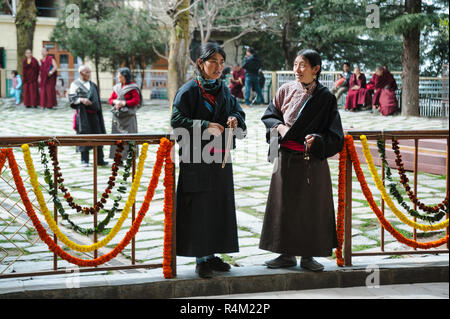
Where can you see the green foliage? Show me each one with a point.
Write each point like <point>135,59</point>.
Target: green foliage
<point>110,35</point>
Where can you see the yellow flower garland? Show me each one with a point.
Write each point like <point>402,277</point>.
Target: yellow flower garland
<point>387,198</point>
<point>54,226</point>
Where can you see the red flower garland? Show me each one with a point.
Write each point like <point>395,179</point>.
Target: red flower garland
<point>404,180</point>
<point>162,153</point>
<point>368,194</point>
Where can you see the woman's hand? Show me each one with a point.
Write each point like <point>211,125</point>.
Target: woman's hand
<point>215,129</point>
<point>282,129</point>
<point>85,101</point>
<point>309,140</point>
<point>232,122</point>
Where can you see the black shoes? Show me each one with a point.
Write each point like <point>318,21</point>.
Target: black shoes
<point>286,261</point>
<point>205,269</point>
<point>282,261</point>
<point>218,264</point>
<point>310,264</point>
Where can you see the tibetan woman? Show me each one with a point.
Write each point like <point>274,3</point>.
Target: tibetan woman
<point>204,112</point>
<point>304,124</point>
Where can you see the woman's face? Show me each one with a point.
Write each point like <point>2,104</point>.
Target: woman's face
<point>121,78</point>
<point>213,67</point>
<point>303,71</point>
<point>28,53</point>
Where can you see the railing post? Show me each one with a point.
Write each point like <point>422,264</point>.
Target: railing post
<point>348,214</point>
<point>133,212</point>
<point>174,215</point>
<point>274,84</point>
<point>416,160</point>
<point>94,164</point>
<point>55,211</point>
<point>383,175</point>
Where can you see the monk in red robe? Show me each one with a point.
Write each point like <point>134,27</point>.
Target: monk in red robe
<point>358,95</point>
<point>384,94</point>
<point>237,82</point>
<point>47,80</point>
<point>30,67</point>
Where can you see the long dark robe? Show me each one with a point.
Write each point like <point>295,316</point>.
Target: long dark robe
<point>47,85</point>
<point>206,214</point>
<point>30,82</point>
<point>89,118</point>
<point>299,218</point>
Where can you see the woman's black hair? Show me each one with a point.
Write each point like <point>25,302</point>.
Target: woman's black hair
<point>313,58</point>
<point>15,72</point>
<point>207,51</point>
<point>126,73</point>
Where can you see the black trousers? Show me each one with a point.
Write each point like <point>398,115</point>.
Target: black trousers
<point>85,155</point>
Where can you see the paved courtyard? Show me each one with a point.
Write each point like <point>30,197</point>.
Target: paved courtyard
<point>21,250</point>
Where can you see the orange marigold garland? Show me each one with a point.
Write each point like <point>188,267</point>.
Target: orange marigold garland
<point>162,153</point>
<point>168,209</point>
<point>341,205</point>
<point>368,194</point>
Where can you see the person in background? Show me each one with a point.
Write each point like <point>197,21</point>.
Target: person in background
<point>85,99</point>
<point>60,89</point>
<point>252,64</point>
<point>384,99</point>
<point>342,84</point>
<point>16,89</point>
<point>125,100</point>
<point>237,82</point>
<point>47,80</point>
<point>358,95</point>
<point>30,67</point>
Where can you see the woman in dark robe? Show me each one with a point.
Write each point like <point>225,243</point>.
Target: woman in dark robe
<point>237,82</point>
<point>47,80</point>
<point>304,129</point>
<point>125,99</point>
<point>30,67</point>
<point>206,214</point>
<point>357,94</point>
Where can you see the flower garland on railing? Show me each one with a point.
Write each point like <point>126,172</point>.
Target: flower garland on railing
<point>341,205</point>
<point>51,222</point>
<point>110,212</point>
<point>404,181</point>
<point>387,198</point>
<point>168,209</point>
<point>111,182</point>
<point>349,144</point>
<point>396,194</point>
<point>162,153</point>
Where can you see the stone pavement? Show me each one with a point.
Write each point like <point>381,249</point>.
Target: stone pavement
<point>407,291</point>
<point>21,250</point>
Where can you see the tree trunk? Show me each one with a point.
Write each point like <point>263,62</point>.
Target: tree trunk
<point>410,64</point>
<point>286,43</point>
<point>179,50</point>
<point>25,25</point>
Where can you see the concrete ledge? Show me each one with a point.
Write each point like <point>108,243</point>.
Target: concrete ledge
<point>240,280</point>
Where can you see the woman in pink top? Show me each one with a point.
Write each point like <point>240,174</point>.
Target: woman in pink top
<point>304,129</point>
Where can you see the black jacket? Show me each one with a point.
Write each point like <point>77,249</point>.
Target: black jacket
<point>319,116</point>
<point>252,64</point>
<point>188,110</point>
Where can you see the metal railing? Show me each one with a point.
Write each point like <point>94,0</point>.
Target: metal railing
<point>416,136</point>
<point>92,140</point>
